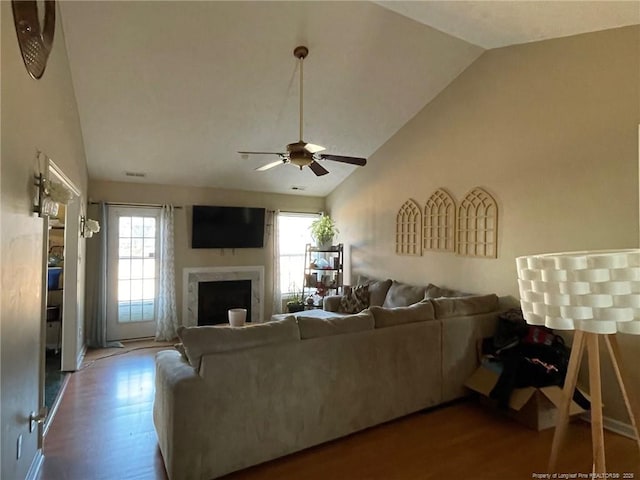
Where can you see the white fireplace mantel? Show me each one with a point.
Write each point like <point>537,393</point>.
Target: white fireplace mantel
<point>192,276</point>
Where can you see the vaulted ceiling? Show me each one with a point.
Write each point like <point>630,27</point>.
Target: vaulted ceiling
<point>173,89</point>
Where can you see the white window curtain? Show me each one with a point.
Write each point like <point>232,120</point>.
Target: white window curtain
<point>275,262</point>
<point>96,309</point>
<point>167,319</point>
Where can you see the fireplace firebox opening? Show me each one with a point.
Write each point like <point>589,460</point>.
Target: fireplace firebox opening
<point>217,297</point>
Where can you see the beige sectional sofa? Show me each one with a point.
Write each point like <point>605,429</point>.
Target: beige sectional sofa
<point>237,397</point>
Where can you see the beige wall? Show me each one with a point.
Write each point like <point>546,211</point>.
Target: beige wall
<point>35,115</point>
<point>185,256</point>
<point>549,128</point>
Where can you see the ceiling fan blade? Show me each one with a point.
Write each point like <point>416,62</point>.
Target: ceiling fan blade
<point>270,165</point>
<point>261,153</point>
<point>311,148</point>
<point>318,169</point>
<point>339,158</point>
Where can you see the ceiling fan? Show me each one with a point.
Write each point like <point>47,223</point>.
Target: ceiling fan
<point>300,153</point>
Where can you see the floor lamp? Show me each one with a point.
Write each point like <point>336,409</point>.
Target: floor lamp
<point>597,294</point>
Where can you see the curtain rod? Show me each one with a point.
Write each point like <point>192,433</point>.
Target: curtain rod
<point>180,207</point>
<point>299,212</point>
<point>123,204</point>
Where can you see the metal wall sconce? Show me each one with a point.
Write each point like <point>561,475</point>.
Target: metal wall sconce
<point>49,194</point>
<point>44,205</point>
<point>88,227</point>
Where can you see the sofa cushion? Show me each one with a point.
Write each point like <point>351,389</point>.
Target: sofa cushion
<point>378,290</point>
<point>331,303</point>
<point>313,327</point>
<point>355,300</point>
<point>389,317</point>
<point>401,294</point>
<point>207,339</point>
<point>433,291</point>
<point>314,312</point>
<point>469,305</point>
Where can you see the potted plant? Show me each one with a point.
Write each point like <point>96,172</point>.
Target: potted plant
<point>323,231</point>
<point>295,303</point>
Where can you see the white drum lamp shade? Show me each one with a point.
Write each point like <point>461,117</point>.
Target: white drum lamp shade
<point>597,294</point>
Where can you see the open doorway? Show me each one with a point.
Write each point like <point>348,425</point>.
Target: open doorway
<point>62,336</point>
<point>54,376</point>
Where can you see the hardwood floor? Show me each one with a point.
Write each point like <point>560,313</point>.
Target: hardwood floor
<point>103,430</point>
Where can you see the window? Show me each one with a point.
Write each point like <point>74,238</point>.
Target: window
<point>137,268</point>
<point>294,235</point>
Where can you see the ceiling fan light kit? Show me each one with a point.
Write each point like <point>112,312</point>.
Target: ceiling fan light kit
<point>300,153</point>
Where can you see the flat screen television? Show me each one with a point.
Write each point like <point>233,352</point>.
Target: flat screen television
<point>227,227</point>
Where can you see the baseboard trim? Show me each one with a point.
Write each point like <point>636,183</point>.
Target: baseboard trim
<point>36,464</point>
<point>619,427</point>
<point>56,404</point>
<point>80,358</point>
<point>613,425</point>
<point>139,339</point>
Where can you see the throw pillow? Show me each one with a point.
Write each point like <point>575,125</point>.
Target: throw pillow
<point>355,301</point>
<point>180,348</point>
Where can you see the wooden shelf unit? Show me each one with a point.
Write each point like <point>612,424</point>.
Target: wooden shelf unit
<point>323,273</point>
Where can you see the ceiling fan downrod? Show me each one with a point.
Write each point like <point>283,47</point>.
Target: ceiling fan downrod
<point>301,53</point>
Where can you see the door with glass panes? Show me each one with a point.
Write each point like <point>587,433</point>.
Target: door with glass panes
<point>132,272</point>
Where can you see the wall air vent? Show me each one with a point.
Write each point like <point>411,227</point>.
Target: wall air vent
<point>298,187</point>
<point>135,174</point>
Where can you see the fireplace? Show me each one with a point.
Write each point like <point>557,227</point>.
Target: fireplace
<point>216,298</point>
<point>248,279</point>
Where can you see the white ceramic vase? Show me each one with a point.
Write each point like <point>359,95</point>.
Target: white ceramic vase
<point>237,317</point>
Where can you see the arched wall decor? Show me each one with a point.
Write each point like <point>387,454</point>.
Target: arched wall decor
<point>477,225</point>
<point>439,222</point>
<point>409,229</point>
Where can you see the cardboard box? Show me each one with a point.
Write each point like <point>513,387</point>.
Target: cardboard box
<point>534,407</point>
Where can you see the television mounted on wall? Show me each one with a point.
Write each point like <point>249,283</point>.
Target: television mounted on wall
<point>227,227</point>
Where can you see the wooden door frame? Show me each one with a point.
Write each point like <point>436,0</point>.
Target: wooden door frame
<point>72,331</point>
<point>72,334</point>
<point>131,331</point>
